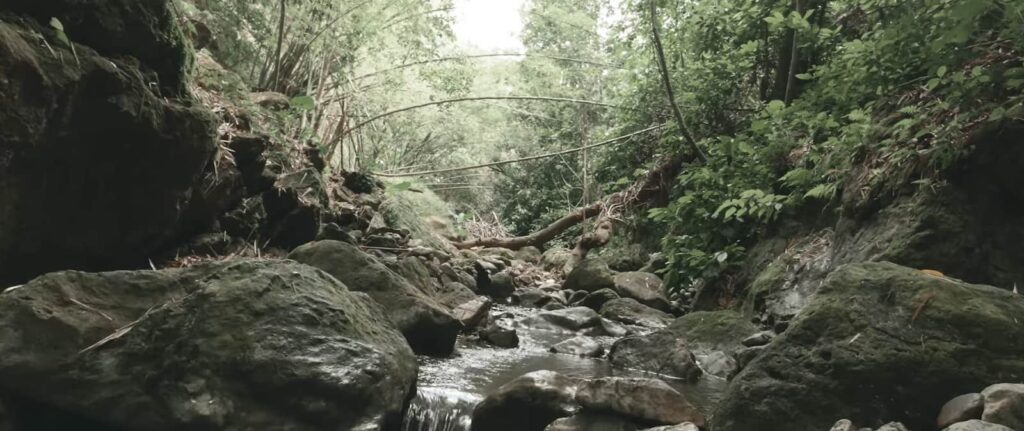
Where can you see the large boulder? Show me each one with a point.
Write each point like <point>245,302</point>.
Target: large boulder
<point>708,338</point>
<point>590,275</point>
<point>879,342</point>
<point>231,346</point>
<point>1004,405</point>
<point>631,312</point>
<point>528,403</point>
<point>429,328</point>
<point>96,165</point>
<point>645,400</point>
<point>644,287</point>
<point>572,319</point>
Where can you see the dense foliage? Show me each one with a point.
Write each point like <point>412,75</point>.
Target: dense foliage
<point>797,103</point>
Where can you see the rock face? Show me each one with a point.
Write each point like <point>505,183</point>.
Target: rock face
<point>427,326</point>
<point>647,400</point>
<point>856,351</point>
<point>644,287</point>
<point>631,312</point>
<point>590,275</point>
<point>231,346</point>
<point>91,137</point>
<point>528,403</point>
<point>1004,405</point>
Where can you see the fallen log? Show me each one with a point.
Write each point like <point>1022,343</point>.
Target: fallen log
<point>657,180</point>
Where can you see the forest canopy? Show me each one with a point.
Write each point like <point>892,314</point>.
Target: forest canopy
<point>791,101</point>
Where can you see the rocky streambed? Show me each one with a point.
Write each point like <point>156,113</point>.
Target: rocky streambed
<point>450,388</point>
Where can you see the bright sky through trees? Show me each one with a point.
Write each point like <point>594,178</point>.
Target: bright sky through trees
<point>489,25</point>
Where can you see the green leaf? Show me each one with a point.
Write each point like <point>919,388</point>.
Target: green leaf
<point>56,24</point>
<point>302,103</point>
<point>941,72</point>
<point>58,27</point>
<point>775,106</point>
<point>804,76</point>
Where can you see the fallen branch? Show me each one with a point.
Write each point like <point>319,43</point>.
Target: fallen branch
<point>639,192</point>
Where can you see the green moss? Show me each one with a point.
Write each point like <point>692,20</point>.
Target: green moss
<point>419,211</point>
<point>713,330</point>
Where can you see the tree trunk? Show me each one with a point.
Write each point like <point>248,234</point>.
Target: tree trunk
<point>666,79</point>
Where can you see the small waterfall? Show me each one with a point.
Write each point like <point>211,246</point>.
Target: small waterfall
<point>439,409</point>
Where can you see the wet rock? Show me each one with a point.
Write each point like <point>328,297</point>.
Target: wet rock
<point>531,297</point>
<point>577,296</point>
<point>587,421</point>
<point>573,319</point>
<point>528,403</point>
<point>759,339</point>
<point>644,287</point>
<point>630,312</point>
<point>77,192</point>
<point>579,346</point>
<point>718,364</point>
<point>552,306</point>
<point>1004,405</point>
<point>976,425</point>
<point>427,326</point>
<point>590,275</point>
<point>649,400</point>
<point>499,336</point>
<point>962,408</point>
<point>384,240</point>
<point>471,313</point>
<point>886,371</point>
<point>685,426</point>
<point>662,355</point>
<point>292,328</point>
<point>598,298</point>
<point>893,426</point>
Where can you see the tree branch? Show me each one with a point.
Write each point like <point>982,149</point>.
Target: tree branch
<point>468,99</point>
<point>524,159</point>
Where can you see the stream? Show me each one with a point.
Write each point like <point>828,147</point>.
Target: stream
<point>449,388</point>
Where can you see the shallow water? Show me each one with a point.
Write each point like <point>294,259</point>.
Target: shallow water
<point>449,388</point>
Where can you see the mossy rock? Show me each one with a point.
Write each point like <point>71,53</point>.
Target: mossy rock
<point>145,30</point>
<point>94,139</point>
<point>879,343</point>
<point>238,345</point>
